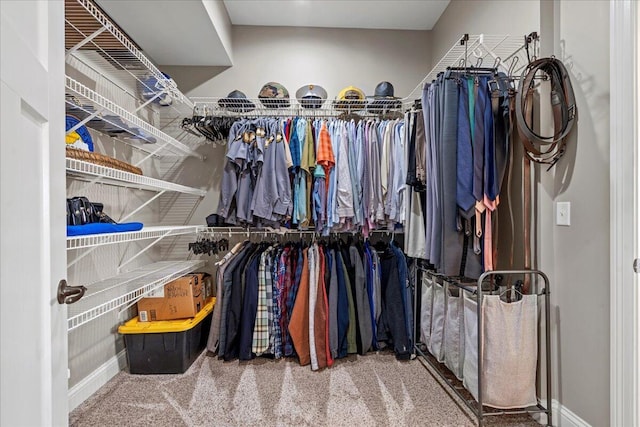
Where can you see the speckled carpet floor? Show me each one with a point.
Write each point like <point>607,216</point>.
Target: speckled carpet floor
<point>372,390</point>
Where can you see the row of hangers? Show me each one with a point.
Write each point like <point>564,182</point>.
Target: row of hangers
<point>216,128</point>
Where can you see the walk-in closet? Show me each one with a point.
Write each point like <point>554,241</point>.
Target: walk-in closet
<point>320,213</point>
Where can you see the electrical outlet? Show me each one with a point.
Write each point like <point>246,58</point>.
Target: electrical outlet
<point>563,213</point>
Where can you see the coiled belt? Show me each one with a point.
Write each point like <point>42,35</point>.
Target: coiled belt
<point>538,148</point>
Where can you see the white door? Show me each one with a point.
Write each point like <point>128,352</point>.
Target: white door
<point>625,208</point>
<point>32,214</point>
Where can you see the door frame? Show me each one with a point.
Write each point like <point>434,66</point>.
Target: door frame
<point>624,305</point>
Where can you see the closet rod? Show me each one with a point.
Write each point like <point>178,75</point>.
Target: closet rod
<point>235,231</point>
<point>387,113</point>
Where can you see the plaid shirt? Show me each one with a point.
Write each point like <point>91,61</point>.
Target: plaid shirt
<point>260,341</point>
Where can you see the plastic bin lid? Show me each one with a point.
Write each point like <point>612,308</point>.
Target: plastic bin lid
<point>134,326</point>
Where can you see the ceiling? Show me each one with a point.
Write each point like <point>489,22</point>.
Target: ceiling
<point>172,32</point>
<point>391,15</point>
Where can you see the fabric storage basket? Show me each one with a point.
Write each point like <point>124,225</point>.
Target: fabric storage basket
<point>453,345</point>
<point>510,350</point>
<point>426,308</point>
<point>438,315</point>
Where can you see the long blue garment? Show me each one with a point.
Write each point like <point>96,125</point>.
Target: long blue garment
<point>249,308</point>
<point>407,296</point>
<point>370,272</point>
<point>343,307</point>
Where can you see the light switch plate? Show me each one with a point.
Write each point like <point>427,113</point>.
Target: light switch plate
<point>563,213</point>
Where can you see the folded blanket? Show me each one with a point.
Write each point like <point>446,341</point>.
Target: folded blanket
<point>101,228</point>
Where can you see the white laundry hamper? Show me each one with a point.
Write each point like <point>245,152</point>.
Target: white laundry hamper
<point>438,314</point>
<point>426,307</point>
<point>509,351</point>
<point>453,342</point>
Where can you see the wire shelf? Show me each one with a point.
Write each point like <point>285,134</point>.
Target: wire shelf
<point>505,52</point>
<point>91,103</point>
<point>87,27</point>
<point>105,175</point>
<point>152,232</point>
<point>107,295</point>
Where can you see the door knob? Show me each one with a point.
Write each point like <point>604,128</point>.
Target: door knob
<point>69,294</point>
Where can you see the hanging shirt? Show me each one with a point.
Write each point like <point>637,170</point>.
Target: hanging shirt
<point>398,207</point>
<point>344,193</point>
<point>366,179</point>
<point>261,325</point>
<point>376,208</point>
<point>343,306</point>
<point>355,169</point>
<point>321,314</point>
<point>313,295</point>
<point>333,305</point>
<point>307,165</point>
<point>235,162</point>
<point>385,165</point>
<point>332,217</point>
<point>361,301</point>
<point>299,324</point>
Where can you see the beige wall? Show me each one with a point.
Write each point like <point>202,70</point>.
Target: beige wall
<point>575,258</point>
<point>580,252</point>
<point>332,58</point>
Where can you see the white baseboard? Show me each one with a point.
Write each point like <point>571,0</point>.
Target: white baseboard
<point>562,416</point>
<point>92,383</point>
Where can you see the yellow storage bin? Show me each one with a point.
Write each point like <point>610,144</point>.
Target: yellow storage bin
<point>166,346</point>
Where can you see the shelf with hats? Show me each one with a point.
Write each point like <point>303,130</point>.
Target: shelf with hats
<point>125,289</point>
<point>310,101</point>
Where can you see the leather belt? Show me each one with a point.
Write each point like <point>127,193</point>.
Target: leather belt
<point>538,148</point>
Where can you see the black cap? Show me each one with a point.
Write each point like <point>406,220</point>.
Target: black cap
<point>237,101</point>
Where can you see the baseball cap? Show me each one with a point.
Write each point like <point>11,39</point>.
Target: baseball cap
<point>274,95</point>
<point>237,101</point>
<point>349,98</point>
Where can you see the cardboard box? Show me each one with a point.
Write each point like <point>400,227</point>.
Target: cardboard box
<point>181,298</point>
